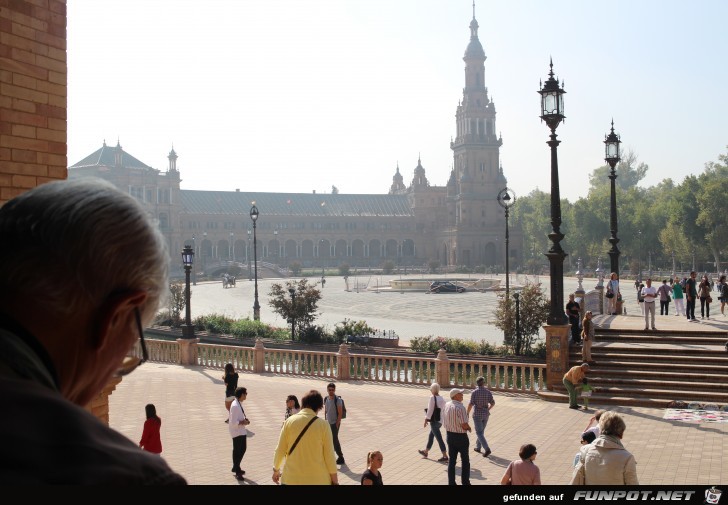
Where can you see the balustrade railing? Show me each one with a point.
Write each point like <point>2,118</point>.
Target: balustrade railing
<point>504,376</point>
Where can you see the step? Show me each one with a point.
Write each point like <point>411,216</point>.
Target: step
<point>649,356</point>
<point>697,375</point>
<point>600,399</point>
<point>721,398</point>
<point>671,383</point>
<point>660,338</point>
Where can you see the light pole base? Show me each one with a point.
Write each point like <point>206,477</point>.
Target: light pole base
<point>557,353</point>
<point>188,331</point>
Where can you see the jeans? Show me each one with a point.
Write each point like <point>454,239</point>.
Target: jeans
<point>337,445</point>
<point>572,392</point>
<point>575,332</point>
<point>664,307</point>
<point>480,440</point>
<point>240,445</point>
<point>457,444</point>
<point>704,307</point>
<point>435,434</point>
<point>690,312</point>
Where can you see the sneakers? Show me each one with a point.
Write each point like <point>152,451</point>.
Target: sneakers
<point>487,453</point>
<point>576,407</point>
<point>653,328</point>
<point>646,328</point>
<point>423,453</point>
<point>476,449</point>
<point>340,460</point>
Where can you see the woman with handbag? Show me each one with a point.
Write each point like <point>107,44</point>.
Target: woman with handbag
<point>705,298</point>
<point>523,472</point>
<point>613,293</point>
<point>432,416</point>
<point>665,291</point>
<point>305,451</point>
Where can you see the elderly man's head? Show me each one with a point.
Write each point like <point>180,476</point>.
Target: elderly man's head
<point>82,259</point>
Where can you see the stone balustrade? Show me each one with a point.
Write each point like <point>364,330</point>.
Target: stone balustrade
<point>504,376</point>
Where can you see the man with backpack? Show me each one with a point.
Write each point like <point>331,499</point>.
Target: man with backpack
<point>333,412</point>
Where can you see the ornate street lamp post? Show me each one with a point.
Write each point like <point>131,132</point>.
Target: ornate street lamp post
<point>639,257</point>
<point>194,250</point>
<point>292,292</point>
<point>506,198</point>
<point>552,111</point>
<point>256,306</point>
<point>188,256</point>
<point>518,318</point>
<point>250,272</point>
<point>611,156</point>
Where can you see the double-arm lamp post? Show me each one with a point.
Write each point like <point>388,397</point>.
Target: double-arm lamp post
<point>611,156</point>
<point>188,258</point>
<point>552,112</point>
<point>256,306</point>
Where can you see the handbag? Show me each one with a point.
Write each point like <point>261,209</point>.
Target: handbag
<point>610,294</point>
<point>709,299</point>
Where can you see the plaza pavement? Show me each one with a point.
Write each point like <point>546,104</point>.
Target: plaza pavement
<point>196,442</point>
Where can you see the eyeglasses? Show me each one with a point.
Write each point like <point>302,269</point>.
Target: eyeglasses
<point>131,363</point>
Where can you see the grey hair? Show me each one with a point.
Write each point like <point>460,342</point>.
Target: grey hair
<point>611,423</point>
<point>435,388</point>
<point>70,244</point>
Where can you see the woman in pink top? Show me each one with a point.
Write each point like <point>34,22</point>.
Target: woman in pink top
<point>523,472</point>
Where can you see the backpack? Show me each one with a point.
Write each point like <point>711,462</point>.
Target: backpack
<point>343,406</point>
<point>724,291</point>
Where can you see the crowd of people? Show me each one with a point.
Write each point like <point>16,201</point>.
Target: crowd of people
<point>68,323</point>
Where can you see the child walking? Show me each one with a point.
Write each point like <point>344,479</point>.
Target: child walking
<point>151,440</point>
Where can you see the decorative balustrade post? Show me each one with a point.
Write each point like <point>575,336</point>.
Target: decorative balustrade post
<point>188,350</point>
<point>343,363</point>
<point>442,368</point>
<point>259,356</point>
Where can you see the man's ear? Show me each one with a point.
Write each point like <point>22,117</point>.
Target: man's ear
<point>114,313</point>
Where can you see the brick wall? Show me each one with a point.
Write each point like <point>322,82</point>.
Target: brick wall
<point>33,75</point>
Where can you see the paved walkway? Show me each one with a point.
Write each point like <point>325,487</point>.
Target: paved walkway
<point>196,442</point>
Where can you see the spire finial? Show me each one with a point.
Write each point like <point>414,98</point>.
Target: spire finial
<point>473,9</point>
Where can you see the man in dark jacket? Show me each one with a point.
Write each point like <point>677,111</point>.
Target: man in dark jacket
<point>72,306</point>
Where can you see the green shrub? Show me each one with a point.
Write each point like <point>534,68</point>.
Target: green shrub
<point>349,327</point>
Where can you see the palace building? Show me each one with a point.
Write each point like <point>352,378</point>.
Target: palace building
<point>459,224</point>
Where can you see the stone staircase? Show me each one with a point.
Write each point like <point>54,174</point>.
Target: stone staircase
<point>652,368</point>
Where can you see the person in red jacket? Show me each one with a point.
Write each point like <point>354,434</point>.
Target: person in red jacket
<point>151,440</point>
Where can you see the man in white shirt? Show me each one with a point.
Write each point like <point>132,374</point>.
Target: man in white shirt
<point>649,294</point>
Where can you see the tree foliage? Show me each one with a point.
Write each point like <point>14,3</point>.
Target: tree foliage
<point>685,220</point>
<point>533,311</point>
<point>302,308</point>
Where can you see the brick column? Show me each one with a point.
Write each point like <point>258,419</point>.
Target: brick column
<point>442,369</point>
<point>188,350</point>
<point>557,353</point>
<point>259,356</point>
<point>99,406</point>
<point>343,363</point>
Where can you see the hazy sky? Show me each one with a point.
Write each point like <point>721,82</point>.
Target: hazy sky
<point>300,95</point>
